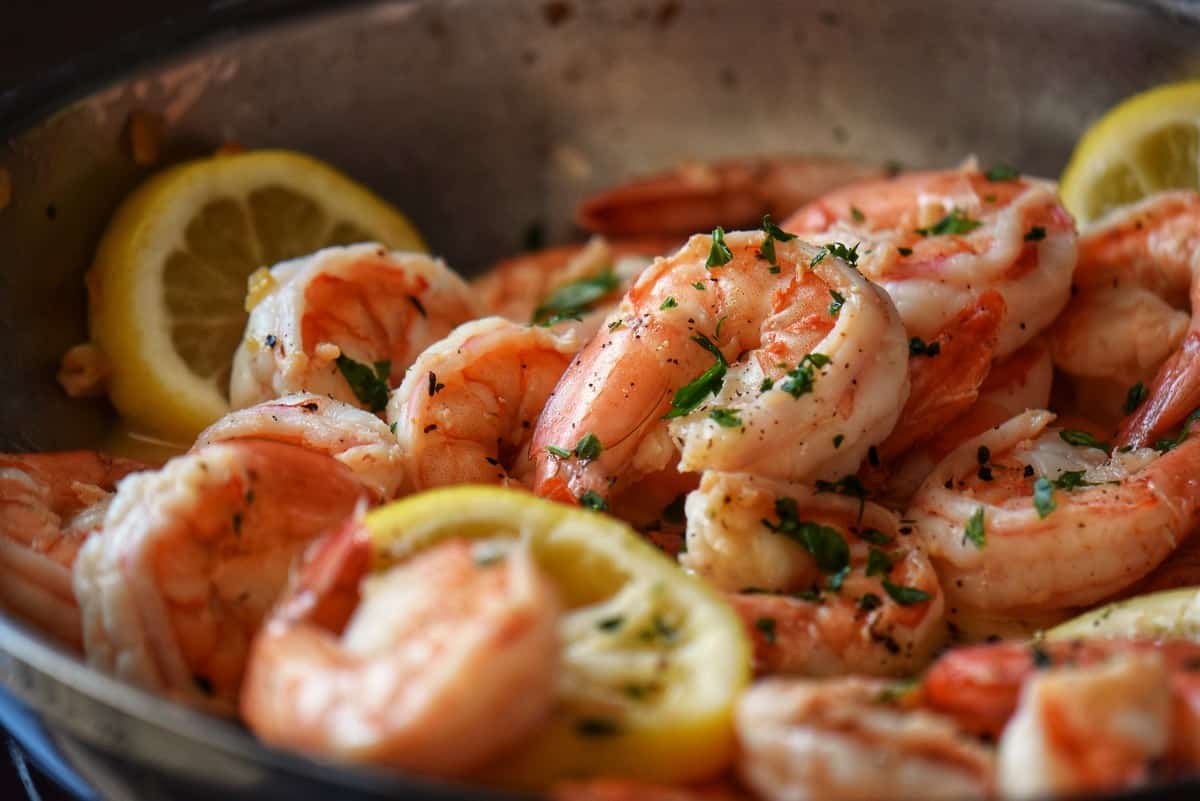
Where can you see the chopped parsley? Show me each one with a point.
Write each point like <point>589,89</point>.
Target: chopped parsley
<point>669,303</point>
<point>592,500</point>
<point>856,214</point>
<point>767,383</point>
<point>561,453</point>
<point>1071,479</point>
<point>878,563</point>
<point>1135,397</point>
<point>698,285</point>
<point>773,234</point>
<point>368,383</point>
<point>839,300</point>
<point>721,322</point>
<point>956,222</point>
<point>800,380</point>
<point>726,418</point>
<point>905,596</point>
<point>767,626</point>
<point>848,255</point>
<point>919,347</point>
<point>826,545</point>
<point>1001,172</point>
<point>1035,234</point>
<point>589,446</point>
<point>904,251</point>
<point>719,254</point>
<point>974,532</point>
<point>689,396</point>
<point>1043,497</point>
<point>570,301</point>
<point>1081,439</point>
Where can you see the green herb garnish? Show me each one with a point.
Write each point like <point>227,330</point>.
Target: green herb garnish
<point>368,383</point>
<point>905,596</point>
<point>719,254</point>
<point>689,396</point>
<point>1043,497</point>
<point>726,418</point>
<point>589,446</point>
<point>956,222</point>
<point>974,532</point>
<point>569,302</point>
<point>1001,172</point>
<point>592,500</point>
<point>1081,439</point>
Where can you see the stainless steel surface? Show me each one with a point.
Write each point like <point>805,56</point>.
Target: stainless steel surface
<point>483,117</point>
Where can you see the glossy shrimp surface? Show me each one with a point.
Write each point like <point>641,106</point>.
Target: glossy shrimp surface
<point>377,309</point>
<point>356,438</point>
<point>841,739</point>
<point>49,505</point>
<point>435,665</point>
<point>826,584</point>
<point>792,370</point>
<point>1020,517</point>
<point>935,241</point>
<point>193,555</point>
<point>465,412</point>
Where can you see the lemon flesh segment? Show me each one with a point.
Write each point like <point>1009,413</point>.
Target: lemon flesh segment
<point>653,660</point>
<point>1174,614</point>
<point>1144,145</point>
<point>167,290</point>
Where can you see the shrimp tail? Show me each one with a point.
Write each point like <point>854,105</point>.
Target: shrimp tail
<point>946,385</point>
<point>325,587</point>
<point>1173,395</point>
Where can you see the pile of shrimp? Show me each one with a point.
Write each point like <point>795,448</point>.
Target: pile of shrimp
<point>901,422</point>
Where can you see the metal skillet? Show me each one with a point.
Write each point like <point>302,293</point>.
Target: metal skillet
<point>479,118</point>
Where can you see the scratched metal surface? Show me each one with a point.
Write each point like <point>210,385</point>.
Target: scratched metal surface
<point>479,117</point>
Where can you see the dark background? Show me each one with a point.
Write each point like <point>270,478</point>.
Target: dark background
<point>37,34</point>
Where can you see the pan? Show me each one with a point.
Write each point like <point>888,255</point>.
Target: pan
<point>483,119</point>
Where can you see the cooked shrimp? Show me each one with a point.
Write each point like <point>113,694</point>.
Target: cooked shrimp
<point>792,371</point>
<point>560,283</point>
<point>193,555</point>
<point>980,685</point>
<point>1128,310</point>
<point>634,790</point>
<point>844,740</point>
<point>50,503</point>
<point>1086,729</point>
<point>356,438</point>
<point>336,319</point>
<point>445,661</point>
<point>777,547</point>
<point>465,412</point>
<point>699,196</point>
<point>1014,384</point>
<point>937,240</point>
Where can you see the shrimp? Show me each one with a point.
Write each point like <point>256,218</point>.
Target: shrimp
<point>1014,384</point>
<point>1086,729</point>
<point>50,503</point>
<point>805,363</point>
<point>339,320</point>
<point>465,412</point>
<point>356,438</point>
<point>1130,291</point>
<point>562,282</point>
<point>700,196</point>
<point>1020,518</point>
<point>777,547</point>
<point>936,241</point>
<point>846,740</point>
<point>614,789</point>
<point>980,686</point>
<point>436,666</point>
<point>193,555</point>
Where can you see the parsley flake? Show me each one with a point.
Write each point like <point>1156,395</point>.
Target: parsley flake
<point>561,453</point>
<point>592,500</point>
<point>570,301</point>
<point>800,380</point>
<point>589,446</point>
<point>956,222</point>
<point>773,234</point>
<point>698,285</point>
<point>839,300</point>
<point>767,383</point>
<point>878,563</point>
<point>857,215</point>
<point>669,303</point>
<point>689,396</point>
<point>974,532</point>
<point>905,596</point>
<point>1043,497</point>
<point>846,254</point>
<point>826,545</point>
<point>1081,439</point>
<point>719,254</point>
<point>726,418</point>
<point>766,625</point>
<point>1001,172</point>
<point>368,383</point>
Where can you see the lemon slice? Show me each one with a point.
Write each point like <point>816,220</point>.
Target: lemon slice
<point>653,660</point>
<point>167,289</point>
<point>1146,144</point>
<point>1174,614</point>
